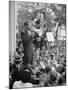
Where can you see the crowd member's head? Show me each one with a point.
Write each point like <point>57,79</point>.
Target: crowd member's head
<point>46,70</point>
<point>44,79</point>
<point>25,75</point>
<point>60,69</point>
<point>61,81</point>
<point>26,25</point>
<point>53,78</point>
<point>38,74</point>
<point>17,60</point>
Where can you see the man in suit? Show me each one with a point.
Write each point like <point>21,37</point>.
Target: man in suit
<point>27,40</point>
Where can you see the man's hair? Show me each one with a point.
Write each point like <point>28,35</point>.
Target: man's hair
<point>26,23</point>
<point>26,75</point>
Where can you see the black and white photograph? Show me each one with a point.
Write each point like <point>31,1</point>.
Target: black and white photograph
<point>37,44</point>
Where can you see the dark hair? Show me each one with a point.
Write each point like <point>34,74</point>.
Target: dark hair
<point>60,81</point>
<point>26,23</point>
<point>19,43</point>
<point>38,74</point>
<point>53,78</point>
<point>46,70</point>
<point>26,75</point>
<point>60,69</point>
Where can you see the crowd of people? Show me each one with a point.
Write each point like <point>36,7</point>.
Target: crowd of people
<point>36,61</point>
<point>44,69</point>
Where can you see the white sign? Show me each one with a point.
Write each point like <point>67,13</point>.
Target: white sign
<point>50,36</point>
<point>61,34</point>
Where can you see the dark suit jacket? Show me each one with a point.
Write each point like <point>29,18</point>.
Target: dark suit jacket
<point>28,47</point>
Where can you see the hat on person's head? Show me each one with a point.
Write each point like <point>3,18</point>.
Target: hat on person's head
<point>17,58</point>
